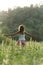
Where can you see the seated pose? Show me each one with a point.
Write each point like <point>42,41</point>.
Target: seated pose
<point>21,33</point>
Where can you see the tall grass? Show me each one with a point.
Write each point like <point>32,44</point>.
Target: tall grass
<point>11,54</point>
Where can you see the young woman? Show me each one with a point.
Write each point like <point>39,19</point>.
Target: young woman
<point>21,33</point>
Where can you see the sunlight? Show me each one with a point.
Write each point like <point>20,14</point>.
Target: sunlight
<point>5,4</point>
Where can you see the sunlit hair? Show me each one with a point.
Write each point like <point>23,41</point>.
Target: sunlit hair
<point>21,28</point>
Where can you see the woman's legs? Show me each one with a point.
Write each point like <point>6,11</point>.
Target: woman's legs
<point>23,43</point>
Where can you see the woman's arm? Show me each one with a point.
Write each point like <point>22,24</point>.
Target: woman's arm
<point>28,34</point>
<point>11,34</point>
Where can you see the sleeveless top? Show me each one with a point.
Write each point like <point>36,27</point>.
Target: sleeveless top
<point>21,37</point>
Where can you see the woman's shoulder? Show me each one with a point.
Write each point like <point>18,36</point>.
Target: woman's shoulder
<point>21,32</point>
<point>24,32</point>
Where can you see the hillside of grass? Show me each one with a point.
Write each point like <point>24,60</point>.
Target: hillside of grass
<point>11,54</point>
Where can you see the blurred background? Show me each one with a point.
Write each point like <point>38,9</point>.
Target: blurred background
<point>27,12</point>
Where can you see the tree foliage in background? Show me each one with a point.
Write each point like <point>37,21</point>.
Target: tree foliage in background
<point>31,17</point>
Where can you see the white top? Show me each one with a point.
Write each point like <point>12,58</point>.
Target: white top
<point>21,37</point>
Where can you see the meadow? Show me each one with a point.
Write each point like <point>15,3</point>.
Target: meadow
<point>11,54</point>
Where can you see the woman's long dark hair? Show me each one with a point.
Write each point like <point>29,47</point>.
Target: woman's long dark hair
<point>21,28</point>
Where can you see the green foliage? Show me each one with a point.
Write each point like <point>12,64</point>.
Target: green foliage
<point>1,38</point>
<point>31,17</point>
<point>12,54</point>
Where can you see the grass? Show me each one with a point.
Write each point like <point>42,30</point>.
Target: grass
<point>11,54</point>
